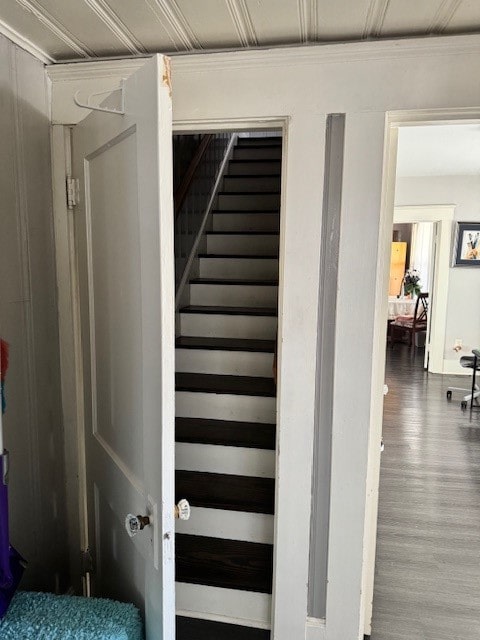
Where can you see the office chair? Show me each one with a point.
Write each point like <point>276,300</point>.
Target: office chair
<point>473,393</point>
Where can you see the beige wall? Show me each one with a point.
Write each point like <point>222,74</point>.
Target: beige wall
<point>28,320</point>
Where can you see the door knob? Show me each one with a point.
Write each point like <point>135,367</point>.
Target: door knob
<point>182,510</point>
<point>134,524</point>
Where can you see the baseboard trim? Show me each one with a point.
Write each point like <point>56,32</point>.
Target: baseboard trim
<point>453,368</point>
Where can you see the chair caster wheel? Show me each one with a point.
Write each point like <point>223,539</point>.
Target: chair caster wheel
<point>463,405</point>
<point>449,395</point>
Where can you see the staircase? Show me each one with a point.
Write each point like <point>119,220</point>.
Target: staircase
<point>226,408</point>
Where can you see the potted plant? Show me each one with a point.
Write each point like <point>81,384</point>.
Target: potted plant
<point>411,283</point>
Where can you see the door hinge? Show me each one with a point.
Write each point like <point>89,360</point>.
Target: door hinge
<point>88,565</point>
<point>73,192</point>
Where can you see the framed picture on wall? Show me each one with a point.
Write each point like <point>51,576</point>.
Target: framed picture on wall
<point>467,245</point>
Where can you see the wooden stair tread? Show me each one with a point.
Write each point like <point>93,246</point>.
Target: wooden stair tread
<point>238,256</point>
<point>228,433</point>
<point>235,160</point>
<point>242,233</point>
<point>225,384</point>
<point>224,491</point>
<point>256,212</point>
<point>196,629</point>
<point>249,193</point>
<point>225,344</point>
<point>235,281</point>
<point>230,311</point>
<point>251,175</point>
<point>229,564</point>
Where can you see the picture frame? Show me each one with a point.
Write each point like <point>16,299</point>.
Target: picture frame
<point>467,245</point>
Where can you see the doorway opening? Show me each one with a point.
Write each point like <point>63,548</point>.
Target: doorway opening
<point>227,192</point>
<point>428,441</point>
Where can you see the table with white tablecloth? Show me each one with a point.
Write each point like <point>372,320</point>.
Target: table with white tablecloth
<point>400,307</point>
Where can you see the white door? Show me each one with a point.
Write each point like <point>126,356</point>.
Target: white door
<point>124,235</point>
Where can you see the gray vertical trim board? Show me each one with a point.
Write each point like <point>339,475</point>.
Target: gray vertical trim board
<point>334,147</point>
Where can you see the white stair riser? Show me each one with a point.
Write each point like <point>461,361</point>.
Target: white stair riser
<point>243,244</point>
<point>225,605</point>
<point>233,295</point>
<point>249,202</point>
<point>259,168</point>
<point>247,153</point>
<point>228,525</point>
<point>211,325</point>
<point>224,406</point>
<point>237,461</point>
<point>246,222</point>
<point>228,363</point>
<point>252,183</point>
<point>239,268</point>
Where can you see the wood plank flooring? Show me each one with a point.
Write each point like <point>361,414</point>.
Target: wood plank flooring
<point>427,583</point>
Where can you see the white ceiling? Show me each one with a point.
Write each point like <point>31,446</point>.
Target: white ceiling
<point>439,150</point>
<point>59,30</point>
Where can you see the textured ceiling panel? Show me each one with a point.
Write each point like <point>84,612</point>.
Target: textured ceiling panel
<point>465,18</point>
<point>341,20</point>
<point>284,28</point>
<point>154,26</point>
<point>78,29</point>
<point>50,39</point>
<point>212,22</point>
<point>80,17</point>
<point>411,16</point>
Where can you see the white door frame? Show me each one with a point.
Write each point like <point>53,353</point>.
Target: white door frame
<point>443,215</point>
<point>71,353</point>
<point>393,121</point>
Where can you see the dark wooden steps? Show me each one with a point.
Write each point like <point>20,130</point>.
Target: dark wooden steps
<point>225,491</point>
<point>228,433</point>
<point>242,233</point>
<point>235,385</point>
<point>251,176</point>
<point>248,193</point>
<point>230,311</point>
<point>236,160</point>
<point>255,140</point>
<point>229,564</point>
<point>235,281</point>
<point>247,211</point>
<point>195,629</point>
<point>242,256</point>
<point>225,344</point>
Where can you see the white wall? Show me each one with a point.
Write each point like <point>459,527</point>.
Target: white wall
<point>32,423</point>
<point>365,81</point>
<point>463,310</point>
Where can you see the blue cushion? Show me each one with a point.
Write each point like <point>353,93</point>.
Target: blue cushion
<point>44,616</point>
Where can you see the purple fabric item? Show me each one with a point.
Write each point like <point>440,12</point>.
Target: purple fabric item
<point>11,563</point>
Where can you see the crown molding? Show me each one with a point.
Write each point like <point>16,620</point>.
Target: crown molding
<point>25,43</point>
<point>317,54</point>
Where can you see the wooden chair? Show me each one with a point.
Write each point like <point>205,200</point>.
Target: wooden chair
<point>411,325</point>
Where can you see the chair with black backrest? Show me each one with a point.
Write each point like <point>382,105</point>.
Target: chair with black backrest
<point>411,325</point>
